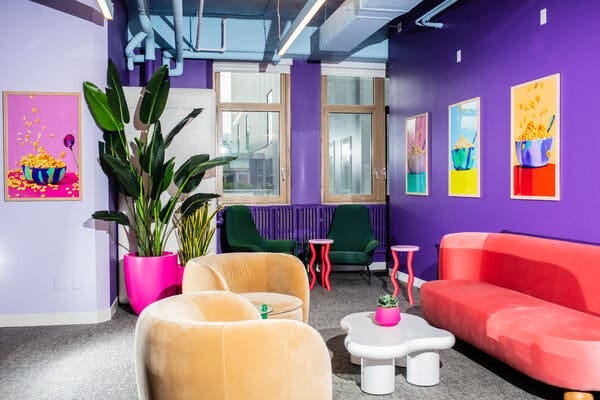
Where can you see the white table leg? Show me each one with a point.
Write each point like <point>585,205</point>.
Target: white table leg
<point>423,368</point>
<point>377,376</point>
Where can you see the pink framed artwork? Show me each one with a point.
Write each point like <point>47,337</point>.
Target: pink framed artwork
<point>42,152</point>
<point>417,155</point>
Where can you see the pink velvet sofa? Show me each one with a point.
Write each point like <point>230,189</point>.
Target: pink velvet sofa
<point>533,303</point>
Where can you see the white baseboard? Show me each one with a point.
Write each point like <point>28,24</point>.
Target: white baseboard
<point>378,266</point>
<point>71,318</point>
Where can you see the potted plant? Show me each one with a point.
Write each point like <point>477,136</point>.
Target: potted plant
<point>194,234</point>
<point>388,312</point>
<point>141,174</point>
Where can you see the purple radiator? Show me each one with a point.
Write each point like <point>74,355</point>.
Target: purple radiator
<point>303,222</point>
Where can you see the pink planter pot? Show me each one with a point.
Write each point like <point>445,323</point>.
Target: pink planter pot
<point>148,279</point>
<point>387,316</point>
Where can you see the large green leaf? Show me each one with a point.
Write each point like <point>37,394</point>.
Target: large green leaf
<point>187,168</point>
<point>188,177</point>
<point>111,216</point>
<point>196,201</point>
<point>127,179</point>
<point>114,93</point>
<point>105,167</point>
<point>189,118</point>
<point>114,145</point>
<point>192,182</point>
<point>155,96</point>
<point>162,178</point>
<point>154,155</point>
<point>98,105</point>
<point>167,210</point>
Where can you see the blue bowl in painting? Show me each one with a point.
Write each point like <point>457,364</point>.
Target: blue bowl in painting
<point>534,153</point>
<point>463,158</point>
<point>44,176</point>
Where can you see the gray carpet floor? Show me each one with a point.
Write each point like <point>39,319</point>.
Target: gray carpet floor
<point>96,361</point>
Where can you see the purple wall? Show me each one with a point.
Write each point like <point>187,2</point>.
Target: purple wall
<point>305,132</point>
<point>197,74</point>
<point>502,45</point>
<point>117,39</point>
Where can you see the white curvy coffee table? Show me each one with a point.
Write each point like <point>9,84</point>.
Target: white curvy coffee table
<point>378,349</point>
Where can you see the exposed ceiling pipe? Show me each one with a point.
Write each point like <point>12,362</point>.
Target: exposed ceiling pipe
<point>424,19</point>
<point>354,21</point>
<point>178,24</point>
<point>131,45</point>
<point>229,55</point>
<point>199,16</point>
<point>146,33</point>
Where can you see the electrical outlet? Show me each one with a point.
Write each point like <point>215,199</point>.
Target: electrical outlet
<point>543,17</point>
<point>458,56</point>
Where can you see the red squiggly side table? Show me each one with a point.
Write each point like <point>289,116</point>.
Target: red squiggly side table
<point>411,277</point>
<point>325,263</point>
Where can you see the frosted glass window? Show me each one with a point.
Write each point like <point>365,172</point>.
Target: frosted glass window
<point>249,87</point>
<point>252,136</point>
<point>349,90</point>
<point>350,163</point>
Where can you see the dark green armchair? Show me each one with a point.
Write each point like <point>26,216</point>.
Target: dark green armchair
<point>353,239</point>
<point>242,236</point>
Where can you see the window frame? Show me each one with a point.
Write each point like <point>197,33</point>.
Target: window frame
<point>378,144</point>
<point>283,108</point>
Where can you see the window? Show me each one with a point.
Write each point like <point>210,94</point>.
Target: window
<point>253,125</point>
<point>353,139</point>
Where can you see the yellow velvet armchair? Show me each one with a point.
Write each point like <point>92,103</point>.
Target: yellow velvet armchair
<point>278,280</point>
<point>214,345</point>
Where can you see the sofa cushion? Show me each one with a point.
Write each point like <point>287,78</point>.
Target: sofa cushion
<point>284,306</point>
<point>549,342</point>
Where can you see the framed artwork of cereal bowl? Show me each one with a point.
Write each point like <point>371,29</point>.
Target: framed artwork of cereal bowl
<point>417,155</point>
<point>42,151</point>
<point>464,157</point>
<point>535,139</point>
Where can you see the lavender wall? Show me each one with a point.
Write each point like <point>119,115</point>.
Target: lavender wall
<point>305,132</point>
<point>502,45</point>
<point>53,257</point>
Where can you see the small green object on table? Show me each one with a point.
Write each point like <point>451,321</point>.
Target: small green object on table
<point>264,311</point>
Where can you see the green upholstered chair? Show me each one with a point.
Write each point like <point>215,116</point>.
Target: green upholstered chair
<point>242,235</point>
<point>353,239</point>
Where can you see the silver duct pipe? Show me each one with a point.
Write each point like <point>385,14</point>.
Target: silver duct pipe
<point>199,15</point>
<point>178,24</point>
<point>424,19</point>
<point>147,34</point>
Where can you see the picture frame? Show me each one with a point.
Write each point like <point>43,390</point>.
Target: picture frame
<point>417,155</point>
<point>42,146</point>
<point>535,139</point>
<point>464,155</point>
